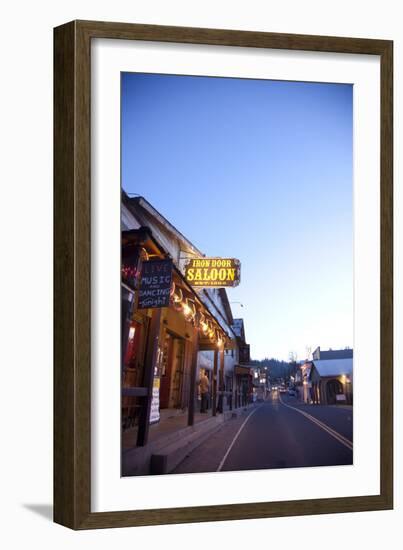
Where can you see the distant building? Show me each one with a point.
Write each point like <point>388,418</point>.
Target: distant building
<point>346,353</point>
<point>327,379</point>
<point>331,381</point>
<point>243,372</point>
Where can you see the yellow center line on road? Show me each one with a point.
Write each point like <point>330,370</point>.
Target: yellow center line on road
<point>339,437</point>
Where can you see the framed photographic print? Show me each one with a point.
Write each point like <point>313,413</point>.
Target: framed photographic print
<point>223,317</point>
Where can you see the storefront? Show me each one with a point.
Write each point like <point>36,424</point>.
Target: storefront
<point>162,346</point>
<point>174,329</point>
<point>244,385</point>
<point>332,381</point>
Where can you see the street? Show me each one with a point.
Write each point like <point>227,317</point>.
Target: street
<point>278,433</point>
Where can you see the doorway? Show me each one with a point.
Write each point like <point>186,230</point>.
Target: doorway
<point>333,389</point>
<point>171,388</point>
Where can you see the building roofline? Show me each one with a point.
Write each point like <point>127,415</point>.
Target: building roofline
<point>145,205</point>
<point>141,201</point>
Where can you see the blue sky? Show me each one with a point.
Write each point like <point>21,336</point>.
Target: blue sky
<point>262,171</point>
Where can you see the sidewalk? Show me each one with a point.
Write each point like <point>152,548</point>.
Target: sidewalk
<point>170,440</point>
<point>163,427</point>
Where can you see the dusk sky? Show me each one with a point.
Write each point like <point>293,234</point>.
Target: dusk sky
<point>261,171</point>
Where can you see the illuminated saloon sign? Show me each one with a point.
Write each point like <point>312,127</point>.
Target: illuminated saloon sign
<point>213,272</point>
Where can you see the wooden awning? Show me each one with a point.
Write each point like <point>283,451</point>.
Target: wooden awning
<point>143,237</point>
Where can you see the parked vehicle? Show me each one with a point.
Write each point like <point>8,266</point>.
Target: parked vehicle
<point>292,392</point>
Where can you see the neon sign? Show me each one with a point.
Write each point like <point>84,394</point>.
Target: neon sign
<point>213,272</point>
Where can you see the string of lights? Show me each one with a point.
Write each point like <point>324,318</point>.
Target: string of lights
<point>196,317</point>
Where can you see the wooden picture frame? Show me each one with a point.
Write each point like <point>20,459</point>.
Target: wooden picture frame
<point>72,271</point>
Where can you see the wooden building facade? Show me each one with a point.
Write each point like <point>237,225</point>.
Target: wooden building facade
<point>164,349</point>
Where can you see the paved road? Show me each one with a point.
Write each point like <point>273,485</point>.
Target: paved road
<point>279,433</point>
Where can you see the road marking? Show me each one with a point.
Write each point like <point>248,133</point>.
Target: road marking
<point>340,438</point>
<point>235,438</point>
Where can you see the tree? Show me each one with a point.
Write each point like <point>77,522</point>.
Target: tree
<point>276,369</point>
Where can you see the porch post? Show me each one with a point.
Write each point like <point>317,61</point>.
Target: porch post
<point>149,364</point>
<point>232,392</point>
<point>126,313</point>
<point>221,384</point>
<point>215,372</point>
<point>193,372</point>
